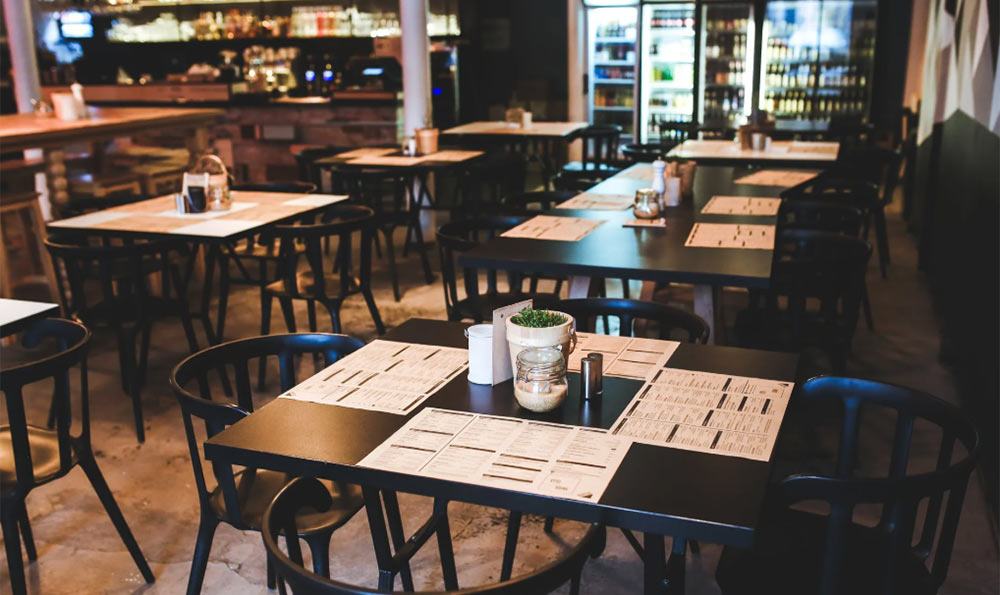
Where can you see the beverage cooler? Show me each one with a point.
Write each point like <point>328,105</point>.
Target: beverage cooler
<point>818,58</point>
<point>726,65</point>
<point>611,58</point>
<point>666,67</point>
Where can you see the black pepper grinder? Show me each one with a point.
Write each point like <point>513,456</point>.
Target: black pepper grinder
<point>592,377</point>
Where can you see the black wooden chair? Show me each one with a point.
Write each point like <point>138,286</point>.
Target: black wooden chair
<point>32,456</point>
<point>810,269</point>
<point>125,303</point>
<point>389,193</point>
<point>309,170</point>
<point>280,519</point>
<point>601,145</point>
<point>461,236</point>
<point>804,553</point>
<point>315,285</point>
<point>668,319</point>
<point>240,498</point>
<point>484,184</point>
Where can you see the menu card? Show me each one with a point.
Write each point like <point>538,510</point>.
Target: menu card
<point>367,152</point>
<point>704,412</point>
<point>548,227</point>
<point>453,155</point>
<point>627,357</point>
<point>504,452</point>
<point>741,205</point>
<point>776,177</point>
<point>731,235</point>
<point>598,202</point>
<point>384,376</point>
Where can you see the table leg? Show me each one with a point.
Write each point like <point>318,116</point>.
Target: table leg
<point>380,539</point>
<point>223,294</point>
<point>675,571</point>
<point>653,565</point>
<point>211,255</point>
<point>708,305</point>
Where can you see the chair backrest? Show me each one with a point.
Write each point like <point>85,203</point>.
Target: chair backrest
<point>306,162</point>
<point>646,153</point>
<point>120,270</point>
<point>382,189</point>
<point>294,186</point>
<point>899,492</point>
<point>830,215</point>
<point>341,220</point>
<point>72,339</point>
<point>217,415</point>
<point>600,145</point>
<point>545,199</point>
<point>309,494</point>
<point>669,319</point>
<point>486,182</point>
<point>817,265</point>
<point>456,237</point>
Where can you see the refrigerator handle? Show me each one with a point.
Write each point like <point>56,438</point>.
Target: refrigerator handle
<point>586,82</point>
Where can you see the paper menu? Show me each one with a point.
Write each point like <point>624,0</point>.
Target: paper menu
<point>367,152</point>
<point>731,235</point>
<point>626,357</point>
<point>548,227</point>
<point>705,412</point>
<point>598,202</point>
<point>529,456</point>
<point>453,155</point>
<point>384,376</point>
<point>776,177</point>
<point>741,205</point>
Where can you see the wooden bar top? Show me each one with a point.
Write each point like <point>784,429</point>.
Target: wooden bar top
<point>28,131</point>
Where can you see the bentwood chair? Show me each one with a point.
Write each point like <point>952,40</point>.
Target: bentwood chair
<point>461,236</point>
<point>817,284</point>
<point>601,144</point>
<point>240,498</point>
<point>836,552</point>
<point>111,285</point>
<point>669,320</point>
<point>32,456</point>
<point>280,519</point>
<point>316,285</point>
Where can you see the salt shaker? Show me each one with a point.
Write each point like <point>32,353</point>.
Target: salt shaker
<point>659,186</point>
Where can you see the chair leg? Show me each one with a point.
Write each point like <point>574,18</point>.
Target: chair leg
<point>12,545</point>
<point>510,547</point>
<point>319,545</point>
<point>866,305</point>
<point>202,548</point>
<point>373,310</point>
<point>147,331</point>
<point>334,310</point>
<point>882,238</point>
<point>311,311</point>
<point>288,311</point>
<point>266,301</point>
<point>418,235</point>
<point>549,522</point>
<point>390,251</point>
<point>398,535</point>
<point>26,534</point>
<point>131,373</point>
<point>445,550</point>
<point>107,499</point>
<point>272,576</point>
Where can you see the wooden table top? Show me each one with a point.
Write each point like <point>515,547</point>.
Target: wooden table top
<point>393,157</point>
<point>658,490</point>
<point>538,129</point>
<point>157,217</point>
<point>27,131</point>
<point>15,315</point>
<point>647,254</point>
<point>805,153</point>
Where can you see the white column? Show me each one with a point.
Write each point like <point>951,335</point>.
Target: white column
<point>576,63</point>
<point>416,65</point>
<point>21,40</point>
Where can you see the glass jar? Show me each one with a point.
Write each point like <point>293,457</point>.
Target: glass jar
<point>540,384</point>
<point>647,204</point>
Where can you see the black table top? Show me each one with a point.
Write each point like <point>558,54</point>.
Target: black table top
<point>647,254</point>
<point>658,490</point>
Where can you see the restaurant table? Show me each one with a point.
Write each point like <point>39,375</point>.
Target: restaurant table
<point>648,254</point>
<point>786,154</point>
<point>157,218</point>
<point>30,131</point>
<point>540,135</point>
<point>16,315</point>
<point>658,491</point>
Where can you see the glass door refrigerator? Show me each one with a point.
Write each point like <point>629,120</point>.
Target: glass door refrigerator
<point>611,39</point>
<point>818,58</point>
<point>726,65</point>
<point>666,85</point>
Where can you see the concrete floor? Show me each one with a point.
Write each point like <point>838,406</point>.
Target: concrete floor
<point>79,551</point>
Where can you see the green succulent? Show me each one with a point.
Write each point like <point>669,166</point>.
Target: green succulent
<point>531,318</point>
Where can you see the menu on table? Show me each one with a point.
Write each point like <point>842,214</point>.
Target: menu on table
<point>642,171</point>
<point>528,456</point>
<point>776,177</point>
<point>384,376</point>
<point>731,235</point>
<point>626,357</point>
<point>598,202</point>
<point>453,155</point>
<point>741,205</point>
<point>548,227</point>
<point>704,412</point>
<point>367,152</point>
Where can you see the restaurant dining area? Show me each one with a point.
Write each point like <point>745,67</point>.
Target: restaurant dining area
<point>485,297</point>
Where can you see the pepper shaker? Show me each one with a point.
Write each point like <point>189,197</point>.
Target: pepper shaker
<point>591,377</point>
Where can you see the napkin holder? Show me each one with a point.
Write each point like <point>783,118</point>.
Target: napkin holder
<point>502,370</point>
<point>194,190</point>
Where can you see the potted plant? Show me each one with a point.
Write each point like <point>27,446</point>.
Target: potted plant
<point>539,328</point>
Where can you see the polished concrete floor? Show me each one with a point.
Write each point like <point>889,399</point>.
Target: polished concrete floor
<point>79,551</point>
